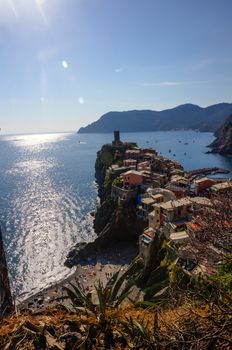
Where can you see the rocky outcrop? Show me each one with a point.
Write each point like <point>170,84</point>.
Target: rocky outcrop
<point>122,226</point>
<point>112,222</point>
<point>223,142</point>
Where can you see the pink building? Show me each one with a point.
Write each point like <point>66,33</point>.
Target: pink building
<point>132,178</point>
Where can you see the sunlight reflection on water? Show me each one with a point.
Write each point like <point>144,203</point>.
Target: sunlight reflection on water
<point>45,215</point>
<point>47,194</point>
<point>35,139</point>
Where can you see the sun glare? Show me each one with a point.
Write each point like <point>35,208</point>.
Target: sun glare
<point>13,8</point>
<point>65,64</point>
<point>23,7</point>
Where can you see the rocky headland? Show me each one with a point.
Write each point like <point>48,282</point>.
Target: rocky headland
<point>113,222</point>
<point>223,142</point>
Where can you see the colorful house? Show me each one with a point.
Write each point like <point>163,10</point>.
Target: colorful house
<point>145,243</point>
<point>132,178</point>
<point>202,184</point>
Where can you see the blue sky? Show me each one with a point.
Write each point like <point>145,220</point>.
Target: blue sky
<point>64,63</point>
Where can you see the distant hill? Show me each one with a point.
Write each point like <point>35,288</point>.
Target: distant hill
<point>183,117</point>
<point>223,142</point>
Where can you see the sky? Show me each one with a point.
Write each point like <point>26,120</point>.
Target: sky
<point>64,63</point>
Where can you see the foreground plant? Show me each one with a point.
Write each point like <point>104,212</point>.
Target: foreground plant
<point>194,315</point>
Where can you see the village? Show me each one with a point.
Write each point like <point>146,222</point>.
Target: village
<point>168,199</point>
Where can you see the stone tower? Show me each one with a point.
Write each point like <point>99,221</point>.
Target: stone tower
<point>117,141</point>
<point>116,136</point>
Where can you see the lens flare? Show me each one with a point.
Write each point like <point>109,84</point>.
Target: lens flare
<point>65,64</point>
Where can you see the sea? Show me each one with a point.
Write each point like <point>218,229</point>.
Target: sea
<point>48,191</point>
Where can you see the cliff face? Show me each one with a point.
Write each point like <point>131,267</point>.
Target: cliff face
<point>223,142</point>
<point>105,158</point>
<point>112,222</point>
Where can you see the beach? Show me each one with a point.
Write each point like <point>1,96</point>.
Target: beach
<point>101,267</point>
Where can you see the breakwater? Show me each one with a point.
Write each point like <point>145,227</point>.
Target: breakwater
<point>206,171</point>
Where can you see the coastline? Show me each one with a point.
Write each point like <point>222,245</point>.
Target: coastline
<point>100,267</point>
<point>114,248</point>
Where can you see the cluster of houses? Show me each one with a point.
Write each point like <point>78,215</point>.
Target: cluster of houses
<point>167,199</point>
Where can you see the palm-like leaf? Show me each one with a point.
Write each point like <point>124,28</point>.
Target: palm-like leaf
<point>79,297</point>
<point>115,298</point>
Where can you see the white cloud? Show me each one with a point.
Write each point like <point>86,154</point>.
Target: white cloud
<point>65,64</point>
<point>163,83</point>
<point>42,100</point>
<point>171,83</point>
<point>81,100</point>
<point>118,70</point>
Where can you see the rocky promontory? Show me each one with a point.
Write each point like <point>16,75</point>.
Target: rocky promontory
<point>113,222</point>
<point>223,142</point>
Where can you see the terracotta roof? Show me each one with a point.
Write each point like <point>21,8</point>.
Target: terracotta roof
<point>193,226</point>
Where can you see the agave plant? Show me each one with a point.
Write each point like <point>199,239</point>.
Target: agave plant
<point>80,300</point>
<point>137,333</point>
<point>110,295</point>
<point>113,294</point>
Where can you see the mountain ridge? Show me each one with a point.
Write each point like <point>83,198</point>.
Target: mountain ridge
<point>183,117</point>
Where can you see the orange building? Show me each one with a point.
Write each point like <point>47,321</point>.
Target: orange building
<point>132,178</point>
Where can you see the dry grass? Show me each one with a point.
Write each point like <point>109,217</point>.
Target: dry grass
<point>185,327</point>
<point>55,323</point>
